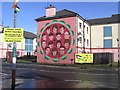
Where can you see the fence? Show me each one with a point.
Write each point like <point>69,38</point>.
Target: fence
<point>103,58</point>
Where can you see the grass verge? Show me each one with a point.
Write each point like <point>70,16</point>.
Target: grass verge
<point>82,66</point>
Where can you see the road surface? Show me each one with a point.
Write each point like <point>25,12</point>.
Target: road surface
<point>48,76</point>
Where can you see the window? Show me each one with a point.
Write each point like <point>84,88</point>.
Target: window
<point>26,47</point>
<point>87,30</point>
<point>80,38</point>
<point>31,41</point>
<point>80,25</point>
<point>26,40</point>
<point>84,26</point>
<point>107,31</point>
<point>108,43</point>
<point>30,47</point>
<point>87,42</point>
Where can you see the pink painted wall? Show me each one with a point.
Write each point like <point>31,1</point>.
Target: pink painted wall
<point>40,57</point>
<point>114,51</point>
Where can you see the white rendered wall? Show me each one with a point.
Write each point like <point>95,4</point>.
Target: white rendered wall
<point>86,35</point>
<point>97,36</point>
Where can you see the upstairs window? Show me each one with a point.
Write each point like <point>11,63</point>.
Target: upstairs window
<point>80,25</point>
<point>84,26</point>
<point>87,30</point>
<point>107,31</point>
<point>31,41</point>
<point>26,40</point>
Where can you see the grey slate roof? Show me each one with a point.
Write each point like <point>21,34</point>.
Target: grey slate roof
<point>29,35</point>
<point>115,18</point>
<point>60,14</point>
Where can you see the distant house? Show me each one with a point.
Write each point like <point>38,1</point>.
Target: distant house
<point>25,48</point>
<point>30,43</point>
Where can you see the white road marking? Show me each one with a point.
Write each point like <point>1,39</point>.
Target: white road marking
<point>73,80</point>
<point>3,74</point>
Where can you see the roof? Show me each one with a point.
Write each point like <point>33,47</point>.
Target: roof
<point>29,35</point>
<point>60,14</point>
<point>115,18</point>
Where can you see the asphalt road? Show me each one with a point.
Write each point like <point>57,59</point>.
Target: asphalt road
<point>48,76</point>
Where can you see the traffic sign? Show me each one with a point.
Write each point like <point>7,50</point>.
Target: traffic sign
<point>13,34</point>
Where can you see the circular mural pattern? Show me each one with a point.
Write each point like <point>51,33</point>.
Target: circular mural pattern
<point>55,40</point>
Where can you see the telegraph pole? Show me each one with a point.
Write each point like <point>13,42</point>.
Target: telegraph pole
<point>118,62</point>
<point>14,57</point>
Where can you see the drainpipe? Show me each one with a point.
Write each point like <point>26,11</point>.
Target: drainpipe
<point>83,37</point>
<point>90,40</point>
<point>77,32</point>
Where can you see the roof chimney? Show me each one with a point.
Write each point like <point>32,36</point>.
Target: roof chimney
<point>50,11</point>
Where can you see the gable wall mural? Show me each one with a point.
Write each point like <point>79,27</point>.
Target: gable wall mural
<point>56,41</point>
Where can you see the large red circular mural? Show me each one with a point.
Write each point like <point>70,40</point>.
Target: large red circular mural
<point>55,40</point>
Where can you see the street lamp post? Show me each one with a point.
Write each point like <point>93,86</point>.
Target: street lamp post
<point>118,63</point>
